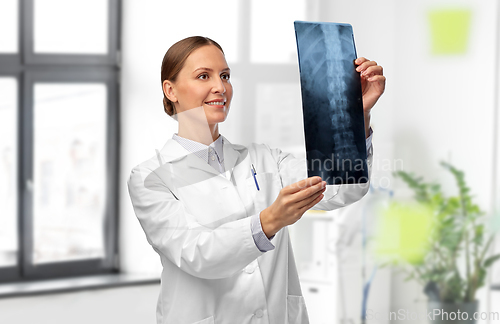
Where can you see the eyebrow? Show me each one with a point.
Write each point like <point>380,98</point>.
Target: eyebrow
<point>209,69</point>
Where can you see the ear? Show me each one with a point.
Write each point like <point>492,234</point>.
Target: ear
<point>168,90</point>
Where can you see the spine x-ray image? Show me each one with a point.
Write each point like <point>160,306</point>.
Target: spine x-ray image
<point>331,102</point>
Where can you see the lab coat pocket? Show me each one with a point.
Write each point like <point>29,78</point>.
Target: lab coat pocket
<point>209,320</point>
<point>262,190</point>
<point>296,309</point>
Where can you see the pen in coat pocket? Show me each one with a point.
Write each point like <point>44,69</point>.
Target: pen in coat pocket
<point>254,173</point>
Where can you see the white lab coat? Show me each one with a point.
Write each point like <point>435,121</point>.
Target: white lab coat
<point>198,221</point>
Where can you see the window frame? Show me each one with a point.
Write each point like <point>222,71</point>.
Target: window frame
<point>30,57</point>
<point>68,76</point>
<point>28,68</point>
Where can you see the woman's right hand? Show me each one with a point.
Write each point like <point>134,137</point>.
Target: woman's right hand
<point>292,202</point>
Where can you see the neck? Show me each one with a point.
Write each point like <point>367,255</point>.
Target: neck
<point>193,125</point>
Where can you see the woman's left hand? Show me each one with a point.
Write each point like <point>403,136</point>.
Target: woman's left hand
<point>372,82</point>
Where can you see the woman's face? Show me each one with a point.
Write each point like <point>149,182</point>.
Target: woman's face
<point>203,82</point>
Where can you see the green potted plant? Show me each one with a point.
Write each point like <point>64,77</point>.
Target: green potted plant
<point>456,260</point>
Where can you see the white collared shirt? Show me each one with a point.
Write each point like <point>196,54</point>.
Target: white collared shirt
<point>213,154</point>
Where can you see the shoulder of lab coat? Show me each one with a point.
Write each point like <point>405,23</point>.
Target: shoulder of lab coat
<point>197,250</point>
<point>292,169</point>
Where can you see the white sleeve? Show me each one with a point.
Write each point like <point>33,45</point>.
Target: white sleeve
<point>292,170</point>
<point>195,249</point>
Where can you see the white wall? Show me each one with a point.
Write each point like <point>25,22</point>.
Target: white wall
<point>145,38</point>
<point>445,106</point>
<point>445,103</point>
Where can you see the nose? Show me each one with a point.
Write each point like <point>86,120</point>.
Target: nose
<point>218,86</point>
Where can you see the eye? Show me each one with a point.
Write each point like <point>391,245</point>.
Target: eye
<point>203,76</point>
<point>225,76</point>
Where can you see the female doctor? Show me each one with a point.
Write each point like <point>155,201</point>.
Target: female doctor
<point>217,212</point>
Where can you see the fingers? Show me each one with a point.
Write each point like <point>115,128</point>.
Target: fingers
<point>311,204</point>
<point>303,192</point>
<point>292,202</point>
<point>362,63</point>
<point>309,192</point>
<point>372,71</point>
<point>302,184</point>
<point>363,66</point>
<point>308,200</point>
<point>368,68</point>
<point>360,60</point>
<point>377,78</point>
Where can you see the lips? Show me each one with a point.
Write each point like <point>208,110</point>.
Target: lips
<point>216,102</point>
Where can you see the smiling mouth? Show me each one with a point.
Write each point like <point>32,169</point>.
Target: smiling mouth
<point>216,103</point>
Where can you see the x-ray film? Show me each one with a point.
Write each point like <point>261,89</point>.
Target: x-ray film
<point>331,103</point>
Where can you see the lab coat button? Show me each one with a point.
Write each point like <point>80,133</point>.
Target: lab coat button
<point>249,269</point>
<point>259,313</point>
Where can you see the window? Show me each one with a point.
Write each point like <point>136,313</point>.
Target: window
<point>58,138</point>
<point>8,170</point>
<point>266,68</point>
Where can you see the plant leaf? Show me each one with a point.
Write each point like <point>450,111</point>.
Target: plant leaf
<point>489,261</point>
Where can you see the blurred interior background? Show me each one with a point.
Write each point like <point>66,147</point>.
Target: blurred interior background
<point>81,104</point>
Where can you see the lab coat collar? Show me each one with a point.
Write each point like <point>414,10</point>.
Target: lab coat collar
<point>231,154</point>
<point>173,152</point>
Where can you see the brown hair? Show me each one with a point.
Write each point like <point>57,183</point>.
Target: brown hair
<point>174,59</point>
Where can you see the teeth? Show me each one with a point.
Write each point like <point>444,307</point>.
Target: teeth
<point>216,103</point>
